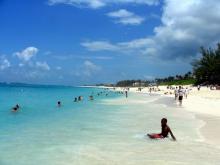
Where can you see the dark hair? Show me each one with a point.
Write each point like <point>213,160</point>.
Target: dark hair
<point>164,120</point>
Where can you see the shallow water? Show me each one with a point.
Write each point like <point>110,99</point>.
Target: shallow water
<point>107,131</point>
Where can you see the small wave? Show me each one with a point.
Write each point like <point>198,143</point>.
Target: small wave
<point>140,136</point>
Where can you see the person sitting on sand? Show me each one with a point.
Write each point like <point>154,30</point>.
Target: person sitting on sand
<point>164,131</point>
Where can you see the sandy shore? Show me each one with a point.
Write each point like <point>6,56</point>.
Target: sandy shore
<point>211,130</point>
<point>205,104</point>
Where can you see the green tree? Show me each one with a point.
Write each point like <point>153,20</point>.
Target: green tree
<point>207,69</point>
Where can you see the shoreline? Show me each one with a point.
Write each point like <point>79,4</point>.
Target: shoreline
<point>204,104</point>
<point>210,130</point>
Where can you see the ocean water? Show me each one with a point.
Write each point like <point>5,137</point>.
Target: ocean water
<point>107,131</point>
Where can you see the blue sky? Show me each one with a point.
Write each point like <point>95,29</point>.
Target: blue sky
<point>76,42</point>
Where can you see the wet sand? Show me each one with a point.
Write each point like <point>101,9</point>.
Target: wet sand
<point>211,130</point>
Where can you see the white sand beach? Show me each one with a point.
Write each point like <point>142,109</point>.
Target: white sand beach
<point>205,104</point>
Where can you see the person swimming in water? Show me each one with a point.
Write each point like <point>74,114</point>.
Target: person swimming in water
<point>164,131</point>
<point>59,103</point>
<point>15,108</point>
<point>91,98</point>
<point>75,99</point>
<point>80,98</point>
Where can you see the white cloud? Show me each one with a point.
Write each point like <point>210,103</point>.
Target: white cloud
<point>137,44</point>
<point>125,17</point>
<point>4,63</point>
<point>100,58</point>
<point>99,45</point>
<point>27,53</point>
<point>86,70</point>
<point>79,3</point>
<point>185,27</point>
<point>58,68</point>
<point>95,4</point>
<point>20,64</point>
<point>42,66</point>
<point>90,68</point>
<point>122,13</point>
<point>182,37</point>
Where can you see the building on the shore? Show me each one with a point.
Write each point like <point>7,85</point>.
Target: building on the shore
<point>139,84</point>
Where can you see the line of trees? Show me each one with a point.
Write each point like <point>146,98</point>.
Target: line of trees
<point>186,76</point>
<point>129,83</point>
<point>207,69</point>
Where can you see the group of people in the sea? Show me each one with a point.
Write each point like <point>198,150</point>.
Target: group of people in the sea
<point>76,99</point>
<point>79,98</point>
<point>165,129</point>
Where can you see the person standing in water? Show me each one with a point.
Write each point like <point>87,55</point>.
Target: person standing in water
<point>176,93</point>
<point>186,92</point>
<point>126,94</point>
<point>198,87</point>
<point>165,130</point>
<point>181,94</point>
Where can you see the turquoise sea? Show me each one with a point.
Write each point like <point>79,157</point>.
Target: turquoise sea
<point>107,131</point>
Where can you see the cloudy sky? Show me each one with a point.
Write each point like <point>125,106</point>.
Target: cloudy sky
<point>76,42</point>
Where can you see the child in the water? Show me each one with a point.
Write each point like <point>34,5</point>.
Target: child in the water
<point>164,131</point>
